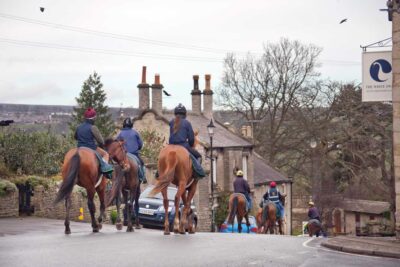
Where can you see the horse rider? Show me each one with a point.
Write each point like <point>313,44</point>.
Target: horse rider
<point>133,142</point>
<point>240,185</point>
<point>274,196</point>
<point>313,213</point>
<point>87,134</point>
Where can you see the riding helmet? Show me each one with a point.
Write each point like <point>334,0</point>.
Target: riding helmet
<point>311,203</point>
<point>272,184</point>
<point>180,109</point>
<point>239,173</point>
<point>90,113</point>
<point>127,123</point>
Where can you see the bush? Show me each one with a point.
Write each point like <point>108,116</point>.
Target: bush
<point>33,181</point>
<point>39,153</point>
<point>152,144</point>
<point>6,187</point>
<point>221,212</point>
<point>113,216</point>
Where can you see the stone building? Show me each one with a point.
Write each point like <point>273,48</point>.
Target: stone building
<point>230,150</point>
<point>362,217</point>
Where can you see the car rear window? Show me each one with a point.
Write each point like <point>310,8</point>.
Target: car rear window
<point>170,192</point>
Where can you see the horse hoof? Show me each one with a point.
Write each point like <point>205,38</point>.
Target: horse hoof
<point>182,232</point>
<point>119,226</point>
<point>130,229</point>
<point>167,233</point>
<point>67,232</point>
<point>176,231</point>
<point>138,226</point>
<point>192,232</point>
<point>100,226</point>
<point>95,230</point>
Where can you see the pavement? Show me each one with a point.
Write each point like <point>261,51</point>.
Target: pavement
<point>375,246</point>
<point>41,242</point>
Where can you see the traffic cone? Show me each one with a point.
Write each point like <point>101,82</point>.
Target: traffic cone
<point>80,214</point>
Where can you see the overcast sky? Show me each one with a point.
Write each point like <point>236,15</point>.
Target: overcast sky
<point>45,75</point>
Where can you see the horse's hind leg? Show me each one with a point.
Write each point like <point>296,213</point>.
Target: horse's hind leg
<point>92,210</point>
<point>67,208</point>
<point>192,191</point>
<point>280,227</point>
<point>178,227</point>
<point>101,193</point>
<point>239,221</point>
<point>247,223</point>
<point>166,219</point>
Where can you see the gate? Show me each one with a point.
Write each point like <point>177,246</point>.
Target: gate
<point>25,192</point>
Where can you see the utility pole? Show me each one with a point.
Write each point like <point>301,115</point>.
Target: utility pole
<point>396,107</point>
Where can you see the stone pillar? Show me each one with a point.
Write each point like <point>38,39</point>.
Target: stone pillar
<point>156,95</point>
<point>144,92</point>
<point>396,113</point>
<point>208,98</point>
<point>196,96</point>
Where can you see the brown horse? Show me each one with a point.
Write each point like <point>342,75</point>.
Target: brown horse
<point>314,228</point>
<point>175,166</point>
<point>81,167</point>
<point>125,182</point>
<point>266,218</point>
<point>237,207</point>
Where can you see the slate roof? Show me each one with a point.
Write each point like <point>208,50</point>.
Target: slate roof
<point>364,206</point>
<point>264,174</point>
<point>222,136</point>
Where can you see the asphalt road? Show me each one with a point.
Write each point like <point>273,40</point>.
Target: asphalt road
<point>41,242</point>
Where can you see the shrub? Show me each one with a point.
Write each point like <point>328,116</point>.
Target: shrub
<point>113,216</point>
<point>221,212</point>
<point>33,180</point>
<point>6,187</point>
<point>39,153</point>
<point>152,144</point>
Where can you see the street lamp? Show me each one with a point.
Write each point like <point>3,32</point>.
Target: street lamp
<point>210,129</point>
<point>315,170</point>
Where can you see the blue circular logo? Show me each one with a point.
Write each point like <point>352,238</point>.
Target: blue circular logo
<point>377,67</point>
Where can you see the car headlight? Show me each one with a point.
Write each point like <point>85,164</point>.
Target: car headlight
<point>161,209</point>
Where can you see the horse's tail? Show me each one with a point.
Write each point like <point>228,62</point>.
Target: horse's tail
<point>233,211</point>
<point>165,179</point>
<point>116,185</point>
<point>70,179</point>
<point>264,214</point>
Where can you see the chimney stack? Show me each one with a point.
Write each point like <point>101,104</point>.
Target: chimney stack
<point>156,95</point>
<point>196,96</point>
<point>208,98</point>
<point>144,92</point>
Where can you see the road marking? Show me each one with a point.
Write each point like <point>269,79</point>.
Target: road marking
<point>305,244</point>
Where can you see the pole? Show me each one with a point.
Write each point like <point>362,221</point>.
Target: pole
<point>396,115</point>
<point>212,185</point>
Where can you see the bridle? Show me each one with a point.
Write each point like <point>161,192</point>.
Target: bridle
<point>124,163</point>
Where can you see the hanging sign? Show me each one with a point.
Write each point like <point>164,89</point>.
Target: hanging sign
<point>377,76</point>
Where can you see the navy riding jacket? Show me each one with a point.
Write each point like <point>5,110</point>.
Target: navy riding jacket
<point>133,142</point>
<point>85,136</point>
<point>184,136</point>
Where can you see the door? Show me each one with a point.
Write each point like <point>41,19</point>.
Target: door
<point>338,221</point>
<point>358,224</point>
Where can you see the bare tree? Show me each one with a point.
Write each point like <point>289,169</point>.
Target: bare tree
<point>265,88</point>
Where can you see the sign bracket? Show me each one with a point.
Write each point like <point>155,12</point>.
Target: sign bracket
<point>382,43</point>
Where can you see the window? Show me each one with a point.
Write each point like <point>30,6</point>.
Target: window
<point>244,164</point>
<point>372,217</point>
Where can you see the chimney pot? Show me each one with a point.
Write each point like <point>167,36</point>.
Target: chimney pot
<point>196,96</point>
<point>157,79</point>
<point>208,98</point>
<point>144,74</point>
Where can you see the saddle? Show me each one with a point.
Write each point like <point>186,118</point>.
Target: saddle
<point>197,168</point>
<point>141,171</point>
<point>278,211</point>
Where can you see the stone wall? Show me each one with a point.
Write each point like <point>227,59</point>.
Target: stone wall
<point>9,204</point>
<point>299,211</point>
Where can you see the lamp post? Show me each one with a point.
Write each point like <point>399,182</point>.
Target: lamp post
<point>315,170</point>
<point>210,129</point>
